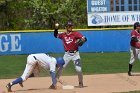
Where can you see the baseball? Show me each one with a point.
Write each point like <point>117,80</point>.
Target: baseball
<point>56,24</point>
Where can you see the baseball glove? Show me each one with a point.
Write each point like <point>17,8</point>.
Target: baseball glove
<point>53,87</point>
<point>80,42</point>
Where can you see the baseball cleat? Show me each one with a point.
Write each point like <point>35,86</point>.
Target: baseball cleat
<point>53,87</point>
<point>21,84</point>
<point>129,73</point>
<point>81,85</point>
<point>8,86</point>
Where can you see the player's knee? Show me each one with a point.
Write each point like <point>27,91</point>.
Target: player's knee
<point>78,69</point>
<point>64,66</point>
<point>66,63</point>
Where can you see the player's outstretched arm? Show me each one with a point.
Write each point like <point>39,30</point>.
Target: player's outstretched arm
<point>59,72</point>
<point>56,30</point>
<point>54,81</point>
<point>55,33</point>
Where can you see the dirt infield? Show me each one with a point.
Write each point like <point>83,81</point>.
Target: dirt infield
<point>103,83</point>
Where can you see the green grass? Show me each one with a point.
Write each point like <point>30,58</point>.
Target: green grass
<point>12,66</point>
<point>104,63</point>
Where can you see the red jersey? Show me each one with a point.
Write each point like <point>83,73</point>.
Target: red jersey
<point>69,40</point>
<point>134,33</point>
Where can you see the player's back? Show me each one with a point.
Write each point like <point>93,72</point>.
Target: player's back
<point>45,60</point>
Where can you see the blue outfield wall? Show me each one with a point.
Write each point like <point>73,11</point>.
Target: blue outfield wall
<point>36,42</point>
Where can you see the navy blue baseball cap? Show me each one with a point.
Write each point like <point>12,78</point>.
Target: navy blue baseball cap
<point>69,23</point>
<point>60,61</point>
<point>136,24</point>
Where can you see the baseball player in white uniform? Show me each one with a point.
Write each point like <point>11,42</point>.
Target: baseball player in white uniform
<point>39,60</point>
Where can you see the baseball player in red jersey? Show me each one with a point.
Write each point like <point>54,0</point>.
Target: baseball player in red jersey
<point>135,46</point>
<point>71,41</point>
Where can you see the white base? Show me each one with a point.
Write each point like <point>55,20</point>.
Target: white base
<point>68,87</point>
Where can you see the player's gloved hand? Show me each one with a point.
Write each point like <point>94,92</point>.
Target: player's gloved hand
<point>81,41</point>
<point>53,87</point>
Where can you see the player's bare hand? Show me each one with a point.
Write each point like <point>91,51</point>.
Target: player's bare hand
<point>53,87</point>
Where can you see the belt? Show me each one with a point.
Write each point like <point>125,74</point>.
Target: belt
<point>35,58</point>
<point>71,51</point>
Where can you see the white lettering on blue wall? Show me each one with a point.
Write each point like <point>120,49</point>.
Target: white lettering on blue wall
<point>98,2</point>
<point>98,9</point>
<point>98,6</point>
<point>3,43</point>
<point>10,42</point>
<point>15,46</point>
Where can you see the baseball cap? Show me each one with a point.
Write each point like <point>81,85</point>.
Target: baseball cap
<point>60,61</point>
<point>136,24</point>
<point>69,23</point>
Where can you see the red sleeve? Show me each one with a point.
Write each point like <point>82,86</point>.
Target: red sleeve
<point>78,35</point>
<point>133,34</point>
<point>60,35</point>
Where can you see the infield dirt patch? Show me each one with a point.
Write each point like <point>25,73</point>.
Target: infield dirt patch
<point>101,83</point>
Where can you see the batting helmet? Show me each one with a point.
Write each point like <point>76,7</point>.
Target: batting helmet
<point>69,23</point>
<point>136,24</point>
